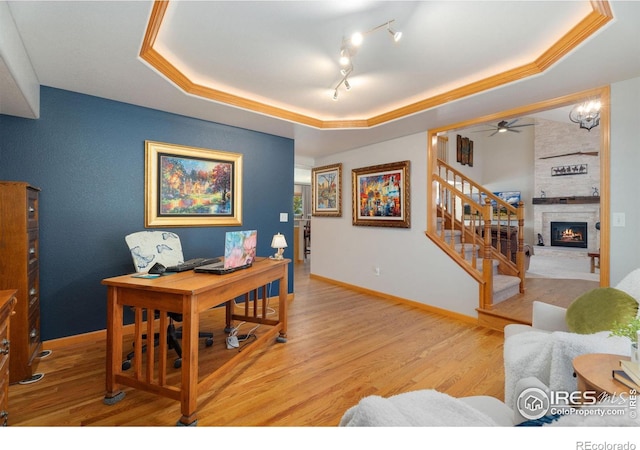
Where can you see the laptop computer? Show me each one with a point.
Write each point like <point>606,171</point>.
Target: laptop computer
<point>239,253</point>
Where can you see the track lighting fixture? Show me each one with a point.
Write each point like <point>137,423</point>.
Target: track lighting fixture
<point>344,81</point>
<point>349,49</point>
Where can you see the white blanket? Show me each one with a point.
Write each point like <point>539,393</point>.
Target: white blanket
<point>418,408</point>
<point>549,356</point>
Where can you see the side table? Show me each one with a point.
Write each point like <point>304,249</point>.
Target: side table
<point>593,373</point>
<point>595,260</point>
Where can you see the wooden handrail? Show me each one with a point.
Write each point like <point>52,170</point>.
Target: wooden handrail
<point>466,207</point>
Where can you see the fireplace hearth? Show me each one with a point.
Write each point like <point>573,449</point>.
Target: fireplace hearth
<point>569,234</point>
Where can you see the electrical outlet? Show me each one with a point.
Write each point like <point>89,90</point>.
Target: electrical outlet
<point>284,217</point>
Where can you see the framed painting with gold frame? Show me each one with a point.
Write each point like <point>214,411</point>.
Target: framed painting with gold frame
<point>191,187</point>
<point>381,195</point>
<point>326,190</point>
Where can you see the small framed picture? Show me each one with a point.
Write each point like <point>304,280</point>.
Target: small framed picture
<point>326,190</point>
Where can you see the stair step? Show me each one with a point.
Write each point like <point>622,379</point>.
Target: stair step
<point>455,233</point>
<point>469,250</point>
<point>504,287</point>
<point>494,264</point>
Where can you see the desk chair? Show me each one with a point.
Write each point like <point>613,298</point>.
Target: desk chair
<point>148,248</point>
<point>307,239</point>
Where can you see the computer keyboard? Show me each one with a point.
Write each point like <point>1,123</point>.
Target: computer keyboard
<point>192,264</point>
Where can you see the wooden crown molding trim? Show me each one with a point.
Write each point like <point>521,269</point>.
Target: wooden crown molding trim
<point>600,15</point>
<point>166,68</point>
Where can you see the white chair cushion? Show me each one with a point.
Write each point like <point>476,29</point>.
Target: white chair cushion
<point>549,317</point>
<point>150,247</point>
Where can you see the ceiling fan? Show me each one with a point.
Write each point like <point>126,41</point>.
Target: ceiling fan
<point>504,126</point>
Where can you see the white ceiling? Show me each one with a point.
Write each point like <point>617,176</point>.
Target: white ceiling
<point>284,54</point>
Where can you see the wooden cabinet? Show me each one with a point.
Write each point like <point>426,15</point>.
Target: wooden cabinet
<point>19,270</point>
<point>7,302</point>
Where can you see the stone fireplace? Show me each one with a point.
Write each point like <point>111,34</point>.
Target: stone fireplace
<point>566,197</point>
<point>588,214</point>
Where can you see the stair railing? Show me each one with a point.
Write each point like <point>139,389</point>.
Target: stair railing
<point>485,224</point>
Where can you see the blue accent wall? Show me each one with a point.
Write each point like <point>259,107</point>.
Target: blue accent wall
<point>86,154</point>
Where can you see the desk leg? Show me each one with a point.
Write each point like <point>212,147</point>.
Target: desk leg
<point>228,310</point>
<point>282,306</point>
<point>189,389</point>
<point>114,346</point>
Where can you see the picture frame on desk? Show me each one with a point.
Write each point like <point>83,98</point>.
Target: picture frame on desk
<point>381,195</point>
<point>191,187</point>
<point>326,190</point>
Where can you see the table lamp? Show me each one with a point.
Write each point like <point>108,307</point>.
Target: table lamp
<point>280,243</point>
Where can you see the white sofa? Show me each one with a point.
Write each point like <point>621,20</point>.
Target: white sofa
<point>546,349</point>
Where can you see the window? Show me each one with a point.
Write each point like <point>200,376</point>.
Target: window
<point>298,206</point>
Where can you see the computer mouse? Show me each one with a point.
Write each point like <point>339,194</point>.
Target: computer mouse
<point>158,269</point>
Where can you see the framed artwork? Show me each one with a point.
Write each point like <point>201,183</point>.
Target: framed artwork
<point>572,169</point>
<point>464,151</point>
<point>191,187</point>
<point>381,195</point>
<point>511,197</point>
<point>326,192</point>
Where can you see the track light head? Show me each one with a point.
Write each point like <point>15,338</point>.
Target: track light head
<point>345,57</point>
<point>397,35</point>
<point>347,86</point>
<point>356,39</point>
<point>335,95</point>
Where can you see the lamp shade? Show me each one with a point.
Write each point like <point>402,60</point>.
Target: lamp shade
<point>278,241</point>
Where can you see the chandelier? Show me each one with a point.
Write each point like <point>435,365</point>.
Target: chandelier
<point>586,114</point>
<point>349,48</point>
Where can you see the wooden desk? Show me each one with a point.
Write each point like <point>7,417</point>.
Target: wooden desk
<point>593,372</point>
<point>189,294</point>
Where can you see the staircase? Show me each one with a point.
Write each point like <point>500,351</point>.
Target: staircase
<point>474,227</point>
<point>504,286</point>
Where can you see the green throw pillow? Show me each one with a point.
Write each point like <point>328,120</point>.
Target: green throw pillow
<point>598,309</point>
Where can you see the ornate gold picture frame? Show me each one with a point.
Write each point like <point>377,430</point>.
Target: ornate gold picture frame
<point>326,192</point>
<point>381,195</point>
<point>191,187</point>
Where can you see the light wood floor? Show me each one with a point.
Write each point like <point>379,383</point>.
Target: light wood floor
<point>342,346</point>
